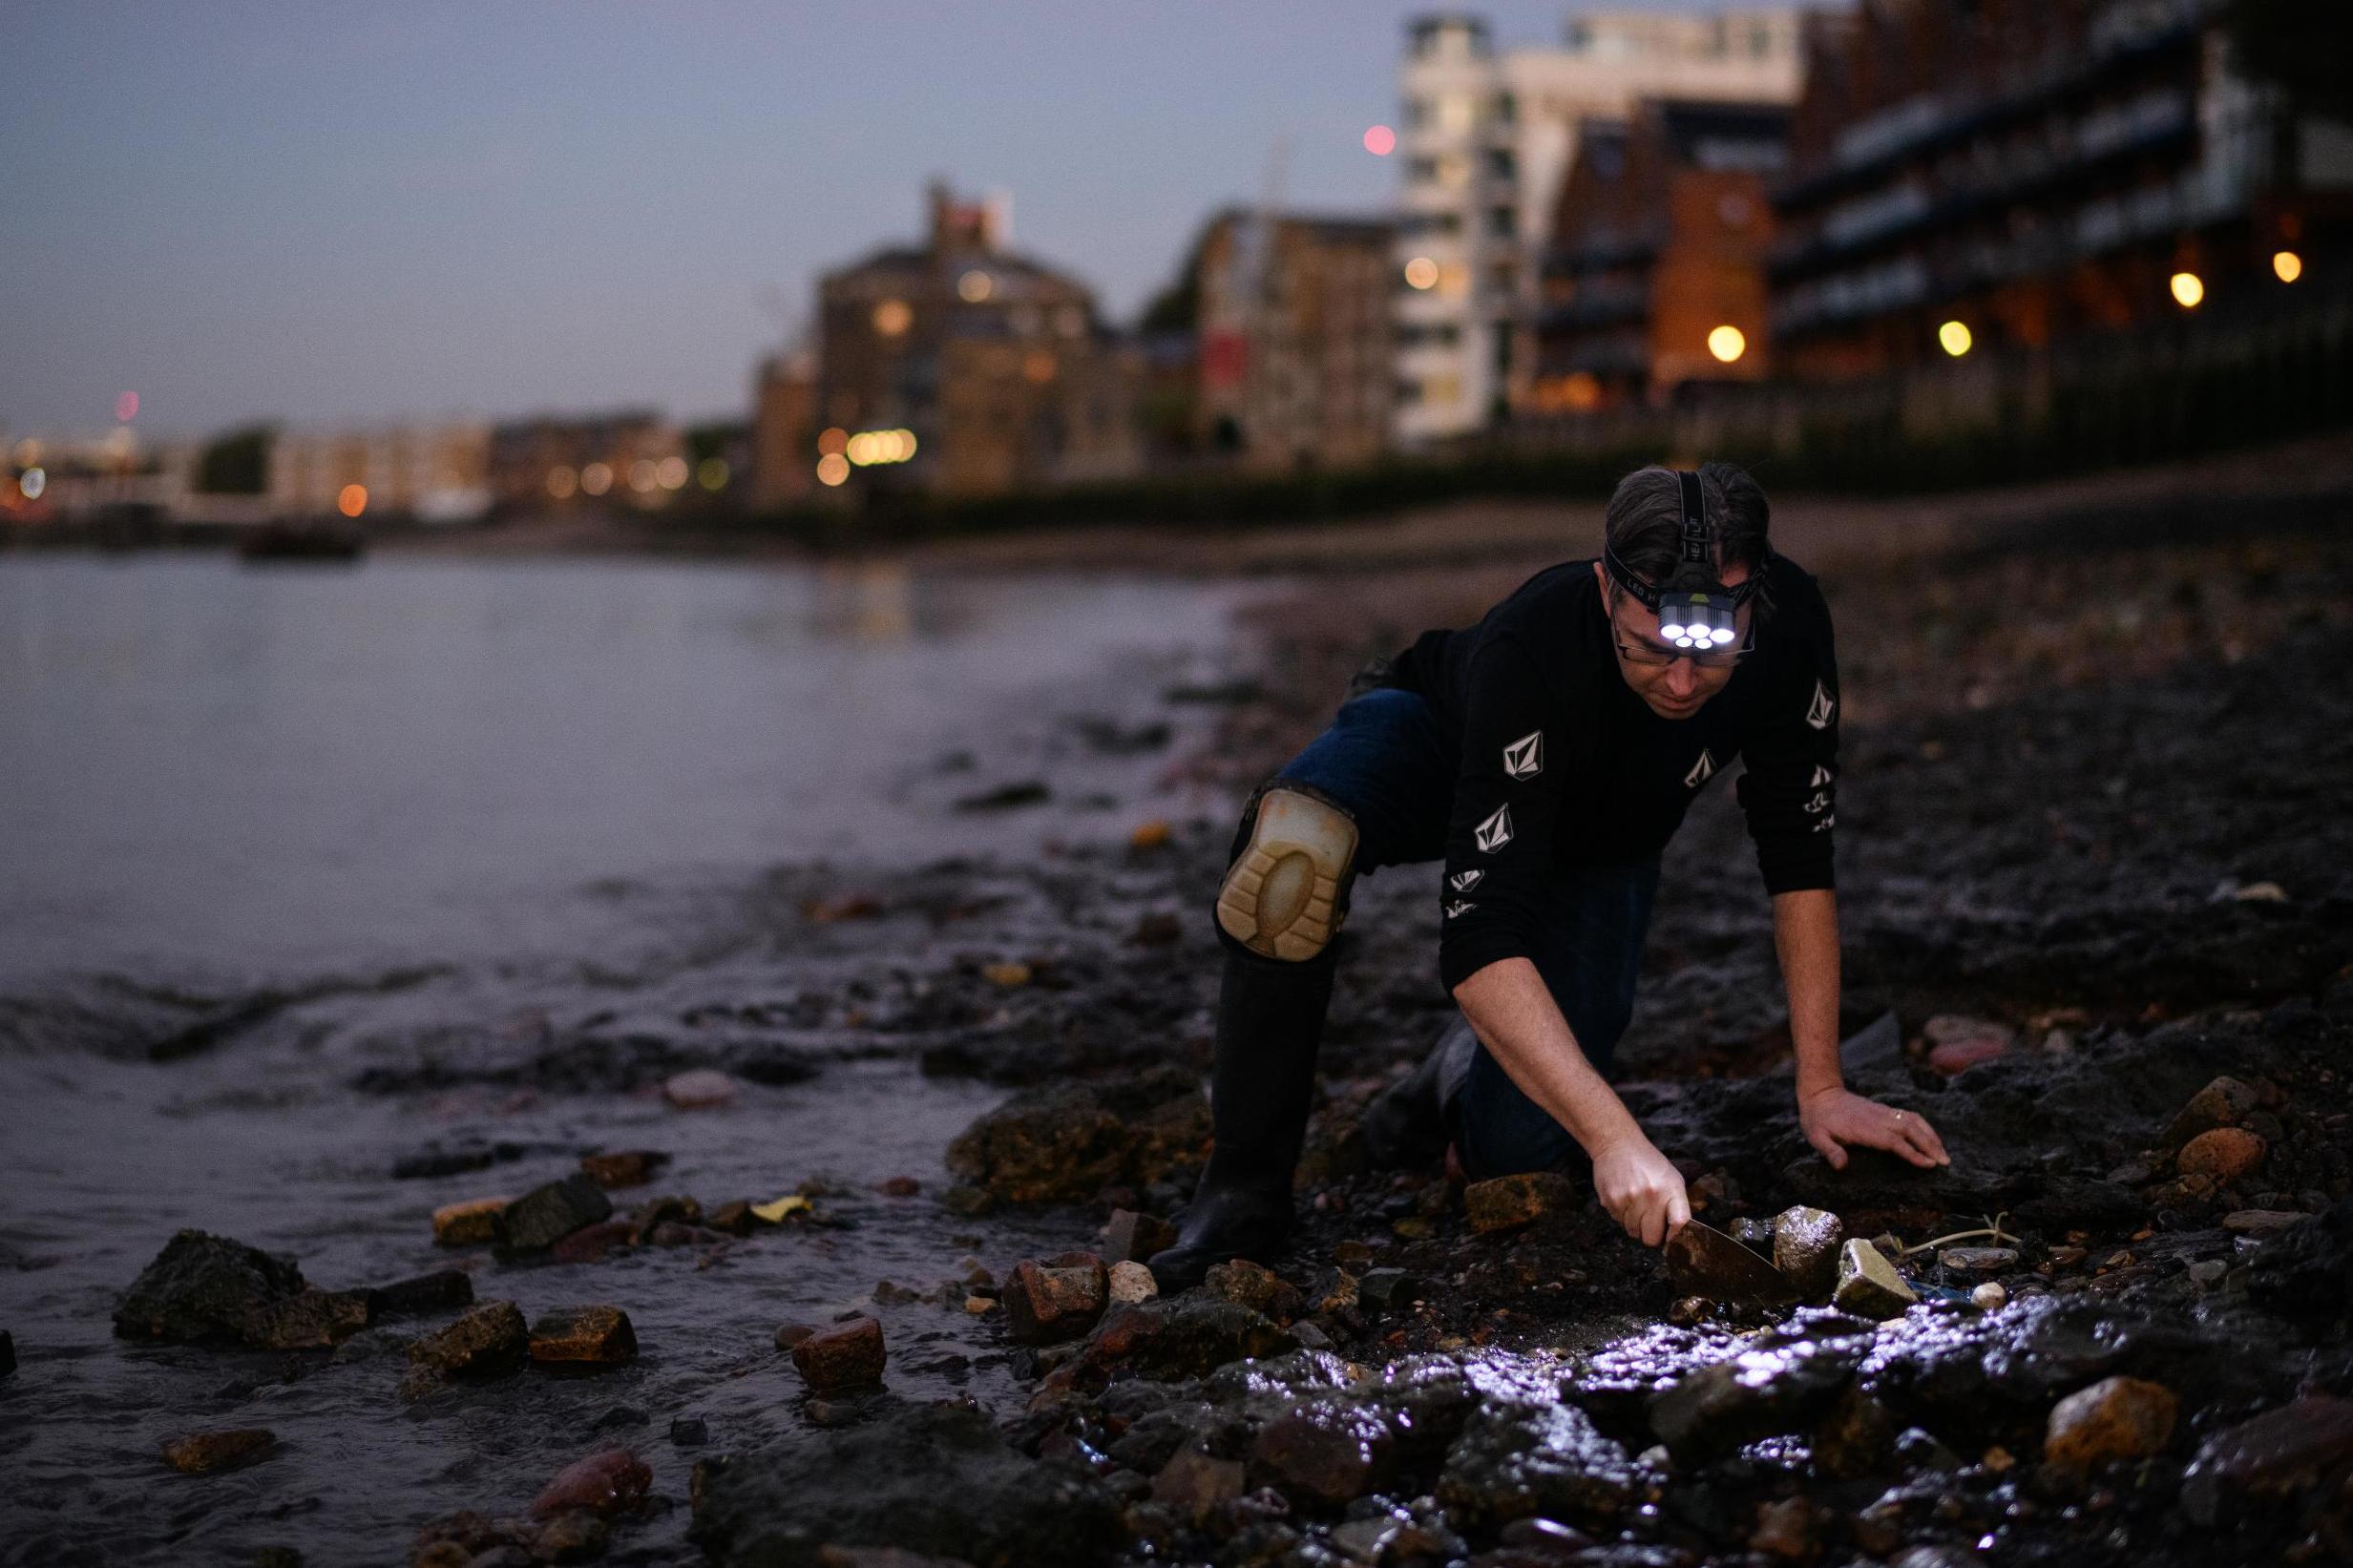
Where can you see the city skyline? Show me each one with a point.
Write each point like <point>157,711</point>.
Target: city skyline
<point>261,211</point>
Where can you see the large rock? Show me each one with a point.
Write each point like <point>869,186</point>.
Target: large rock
<point>1183,1336</point>
<point>1053,1300</point>
<point>598,1334</point>
<point>1805,1247</point>
<point>2270,1458</point>
<point>1325,1453</point>
<point>1066,1144</point>
<point>489,1340</point>
<point>2225,1154</point>
<point>1507,1202</point>
<point>847,1357</point>
<point>932,1479</point>
<point>471,1221</point>
<point>203,1287</point>
<point>605,1483</point>
<point>1191,1483</point>
<point>1758,1393</point>
<point>2115,1418</point>
<point>1521,1461</point>
<point>546,1214</point>
<point>2307,1271</point>
<point>1868,1284</point>
<point>2224,1102</point>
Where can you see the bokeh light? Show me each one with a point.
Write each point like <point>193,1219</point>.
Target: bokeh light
<point>1381,142</point>
<point>832,468</point>
<point>1422,272</point>
<point>597,478</point>
<point>1727,342</point>
<point>127,407</point>
<point>2188,289</point>
<point>975,286</point>
<point>2286,265</point>
<point>353,501</point>
<point>32,482</point>
<point>670,473</point>
<point>562,481</point>
<point>643,475</point>
<point>893,317</point>
<point>1955,337</point>
<point>711,473</point>
<point>831,443</point>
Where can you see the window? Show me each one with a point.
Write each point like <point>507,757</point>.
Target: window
<point>1417,113</point>
<point>1506,108</point>
<point>1422,170</point>
<point>1502,221</point>
<point>1501,164</point>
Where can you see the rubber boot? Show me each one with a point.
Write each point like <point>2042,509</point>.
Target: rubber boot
<point>1262,1084</point>
<point>1406,1122</point>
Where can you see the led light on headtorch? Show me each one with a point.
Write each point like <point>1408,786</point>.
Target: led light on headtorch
<point>1704,621</point>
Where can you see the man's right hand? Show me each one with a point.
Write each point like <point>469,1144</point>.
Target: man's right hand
<point>1641,1190</point>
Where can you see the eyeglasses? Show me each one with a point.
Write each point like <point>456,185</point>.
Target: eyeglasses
<point>1652,656</point>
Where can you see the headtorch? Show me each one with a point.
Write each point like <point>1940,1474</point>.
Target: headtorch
<point>1695,619</point>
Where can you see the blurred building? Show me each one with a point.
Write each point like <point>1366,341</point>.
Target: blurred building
<point>1486,138</point>
<point>1294,339</point>
<point>963,367</point>
<point>431,473</point>
<point>784,431</point>
<point>1656,275</point>
<point>634,458</point>
<point>1970,173</point>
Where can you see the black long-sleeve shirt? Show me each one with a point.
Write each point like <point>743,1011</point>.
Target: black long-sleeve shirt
<point>1560,762</point>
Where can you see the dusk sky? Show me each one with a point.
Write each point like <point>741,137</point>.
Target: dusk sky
<point>321,213</point>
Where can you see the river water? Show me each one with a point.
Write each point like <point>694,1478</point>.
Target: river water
<point>306,870</point>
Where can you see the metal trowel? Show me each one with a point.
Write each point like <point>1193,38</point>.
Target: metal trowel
<point>1702,1261</point>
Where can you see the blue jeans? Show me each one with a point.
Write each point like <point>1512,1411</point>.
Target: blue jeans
<point>1386,760</point>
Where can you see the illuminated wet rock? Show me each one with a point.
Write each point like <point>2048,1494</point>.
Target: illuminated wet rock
<point>1868,1284</point>
<point>1520,1461</point>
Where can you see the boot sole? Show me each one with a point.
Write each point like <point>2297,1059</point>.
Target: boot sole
<point>1279,899</point>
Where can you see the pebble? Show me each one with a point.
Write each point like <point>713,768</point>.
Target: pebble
<point>1324,1455</point>
<point>1507,1202</point>
<point>489,1339</point>
<point>1868,1284</point>
<point>699,1089</point>
<point>1805,1247</point>
<point>202,1453</point>
<point>2115,1418</point>
<point>1130,1283</point>
<point>591,1242</point>
<point>316,1320</point>
<point>2225,1154</point>
<point>1253,1285</point>
<point>473,1222</point>
<point>1133,1237</point>
<point>1192,1484</point>
<point>1978,1260</point>
<point>2222,1103</point>
<point>604,1483</point>
<point>1381,1289</point>
<point>1150,835</point>
<point>842,1358</point>
<point>624,1168</point>
<point>977,1305</point>
<point>1989,1296</point>
<point>598,1334</point>
<point>546,1214</point>
<point>1057,1299</point>
<point>2262,1223</point>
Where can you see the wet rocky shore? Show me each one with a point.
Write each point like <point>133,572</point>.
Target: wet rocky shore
<point>810,1238</point>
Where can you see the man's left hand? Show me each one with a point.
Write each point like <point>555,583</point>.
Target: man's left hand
<point>1834,1118</point>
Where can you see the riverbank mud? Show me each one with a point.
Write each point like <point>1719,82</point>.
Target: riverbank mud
<point>2098,884</point>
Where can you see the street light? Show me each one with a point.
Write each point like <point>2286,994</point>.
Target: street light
<point>2286,265</point>
<point>2188,289</point>
<point>1954,339</point>
<point>1727,343</point>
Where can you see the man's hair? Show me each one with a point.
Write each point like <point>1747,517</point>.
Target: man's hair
<point>1644,525</point>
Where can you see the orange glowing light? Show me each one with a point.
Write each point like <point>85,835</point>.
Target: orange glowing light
<point>832,443</point>
<point>562,481</point>
<point>832,468</point>
<point>893,317</point>
<point>353,501</point>
<point>2188,289</point>
<point>1421,273</point>
<point>1381,142</point>
<point>597,478</point>
<point>1727,342</point>
<point>2286,265</point>
<point>127,407</point>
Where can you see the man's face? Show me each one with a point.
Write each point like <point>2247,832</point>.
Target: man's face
<point>1682,688</point>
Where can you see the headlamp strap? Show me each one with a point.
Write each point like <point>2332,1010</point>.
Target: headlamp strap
<point>1694,518</point>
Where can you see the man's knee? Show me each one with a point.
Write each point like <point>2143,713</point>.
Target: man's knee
<point>1286,892</point>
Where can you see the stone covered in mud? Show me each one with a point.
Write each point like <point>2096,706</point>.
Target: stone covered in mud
<point>935,1479</point>
<point>487,1340</point>
<point>1067,1143</point>
<point>201,1454</point>
<point>546,1214</point>
<point>204,1287</point>
<point>600,1334</point>
<point>843,1359</point>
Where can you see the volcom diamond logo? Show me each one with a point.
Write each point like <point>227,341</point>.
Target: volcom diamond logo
<point>1495,832</point>
<point>1823,708</point>
<point>1525,758</point>
<point>1463,881</point>
<point>1459,908</point>
<point>1701,771</point>
<point>1822,777</point>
